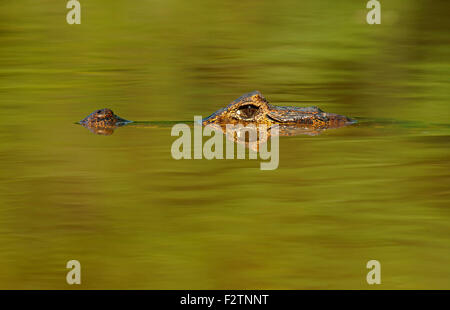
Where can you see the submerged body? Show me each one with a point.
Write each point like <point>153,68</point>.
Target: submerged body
<point>249,109</point>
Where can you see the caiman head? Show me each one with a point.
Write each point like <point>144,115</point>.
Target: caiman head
<point>254,108</point>
<point>103,121</point>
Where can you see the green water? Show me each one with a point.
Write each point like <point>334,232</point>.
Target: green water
<point>136,218</point>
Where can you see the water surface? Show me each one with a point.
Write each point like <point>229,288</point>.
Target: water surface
<point>138,219</point>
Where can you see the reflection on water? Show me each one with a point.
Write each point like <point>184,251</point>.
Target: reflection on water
<point>136,218</point>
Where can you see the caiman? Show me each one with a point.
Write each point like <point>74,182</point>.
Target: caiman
<point>251,108</point>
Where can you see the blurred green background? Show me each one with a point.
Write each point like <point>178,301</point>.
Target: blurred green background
<point>137,219</point>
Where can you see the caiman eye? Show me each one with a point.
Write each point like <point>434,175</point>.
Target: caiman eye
<point>248,111</point>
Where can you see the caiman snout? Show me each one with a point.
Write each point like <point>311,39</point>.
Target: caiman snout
<point>103,118</point>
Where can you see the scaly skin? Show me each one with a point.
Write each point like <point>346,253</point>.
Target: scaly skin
<point>104,118</point>
<point>254,108</point>
<point>103,122</point>
<point>249,109</point>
